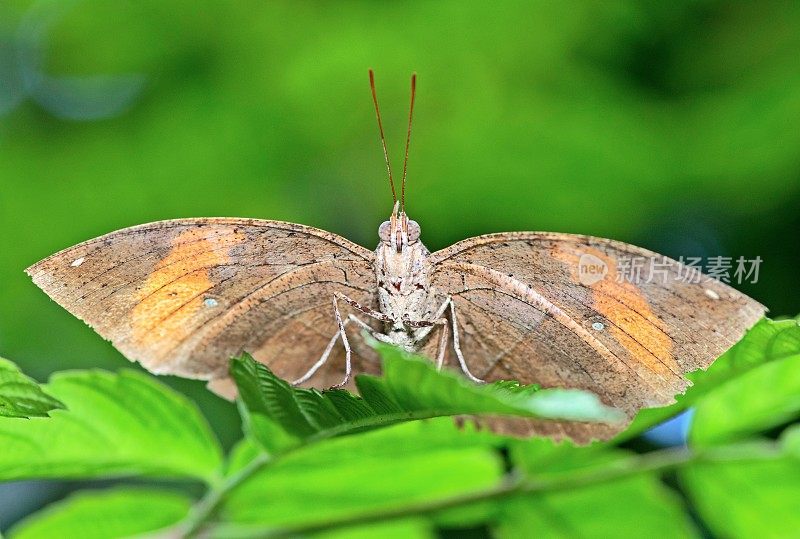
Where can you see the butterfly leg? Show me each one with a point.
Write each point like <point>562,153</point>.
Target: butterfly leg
<point>372,313</point>
<point>324,358</point>
<point>377,315</point>
<point>428,326</point>
<point>348,367</point>
<point>457,345</point>
<point>442,346</point>
<point>366,327</point>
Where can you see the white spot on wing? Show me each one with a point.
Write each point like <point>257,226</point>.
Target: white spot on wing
<point>710,293</point>
<point>77,262</point>
<point>599,326</point>
<point>210,302</point>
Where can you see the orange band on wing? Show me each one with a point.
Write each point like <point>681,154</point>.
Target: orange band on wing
<point>633,323</point>
<point>175,291</point>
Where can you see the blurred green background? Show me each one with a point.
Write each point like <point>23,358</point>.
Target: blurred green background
<point>675,126</point>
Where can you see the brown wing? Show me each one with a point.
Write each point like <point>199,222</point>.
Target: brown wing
<point>183,296</point>
<point>537,307</point>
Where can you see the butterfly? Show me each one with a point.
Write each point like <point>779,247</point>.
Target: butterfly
<point>183,296</point>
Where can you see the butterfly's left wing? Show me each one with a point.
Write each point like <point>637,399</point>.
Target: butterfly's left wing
<point>527,313</point>
<point>183,296</point>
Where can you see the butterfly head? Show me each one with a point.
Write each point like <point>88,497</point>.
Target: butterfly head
<point>399,231</point>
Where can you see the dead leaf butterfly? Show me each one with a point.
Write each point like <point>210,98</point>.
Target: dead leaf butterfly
<point>183,296</point>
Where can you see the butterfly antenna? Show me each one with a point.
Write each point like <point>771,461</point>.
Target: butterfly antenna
<point>380,128</point>
<point>408,141</point>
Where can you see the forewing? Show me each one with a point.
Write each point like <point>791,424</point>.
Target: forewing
<point>530,309</point>
<point>184,296</point>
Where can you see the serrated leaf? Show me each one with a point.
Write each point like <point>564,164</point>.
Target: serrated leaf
<point>115,424</point>
<point>280,416</point>
<point>118,512</point>
<point>415,384</point>
<point>753,498</point>
<point>765,342</point>
<point>22,397</point>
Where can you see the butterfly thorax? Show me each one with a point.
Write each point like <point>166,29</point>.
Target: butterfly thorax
<point>402,272</point>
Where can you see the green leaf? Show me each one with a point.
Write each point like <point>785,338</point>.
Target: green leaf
<point>115,424</point>
<point>635,505</point>
<point>790,441</point>
<point>119,512</point>
<point>398,529</point>
<point>393,529</point>
<point>431,471</point>
<point>242,454</point>
<point>22,397</point>
<point>765,397</point>
<point>754,498</point>
<point>281,417</point>
<point>545,459</point>
<point>351,476</point>
<point>415,384</point>
<point>765,342</point>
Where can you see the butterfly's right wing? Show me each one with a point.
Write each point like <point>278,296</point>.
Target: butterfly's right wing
<point>527,311</point>
<point>183,296</point>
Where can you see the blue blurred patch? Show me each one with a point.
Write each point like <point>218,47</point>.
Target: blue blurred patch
<point>671,432</point>
<point>73,98</point>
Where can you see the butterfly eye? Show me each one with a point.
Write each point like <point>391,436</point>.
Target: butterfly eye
<point>385,231</point>
<point>413,231</point>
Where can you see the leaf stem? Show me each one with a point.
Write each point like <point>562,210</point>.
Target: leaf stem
<point>516,485</point>
<point>209,504</point>
<point>205,509</point>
